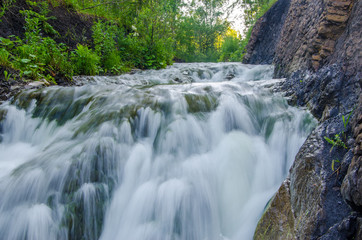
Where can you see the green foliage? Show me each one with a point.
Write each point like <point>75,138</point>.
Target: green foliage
<point>5,58</point>
<point>44,54</point>
<point>7,75</point>
<point>85,61</point>
<point>104,39</point>
<point>337,139</point>
<point>149,43</point>
<point>230,49</point>
<point>36,56</point>
<point>333,163</point>
<point>198,32</point>
<point>144,34</point>
<point>346,120</point>
<point>5,5</point>
<point>154,36</point>
<point>140,35</point>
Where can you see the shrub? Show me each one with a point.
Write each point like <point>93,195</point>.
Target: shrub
<point>104,35</point>
<point>85,61</point>
<point>5,58</point>
<point>230,49</point>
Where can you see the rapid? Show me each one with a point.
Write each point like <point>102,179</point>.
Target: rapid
<point>190,152</point>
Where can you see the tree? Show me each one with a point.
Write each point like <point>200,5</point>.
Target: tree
<point>198,31</point>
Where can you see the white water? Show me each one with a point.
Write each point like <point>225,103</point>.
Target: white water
<point>180,153</point>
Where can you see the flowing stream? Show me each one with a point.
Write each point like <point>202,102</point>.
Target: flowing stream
<point>191,152</point>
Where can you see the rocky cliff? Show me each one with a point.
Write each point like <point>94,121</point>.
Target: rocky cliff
<point>317,47</point>
<point>266,34</point>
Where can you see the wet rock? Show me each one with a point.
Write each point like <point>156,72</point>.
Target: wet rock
<point>326,92</point>
<point>178,80</point>
<point>284,229</point>
<point>352,184</point>
<point>318,50</point>
<point>10,88</point>
<point>346,229</point>
<point>359,229</point>
<point>4,90</point>
<point>230,76</point>
<point>36,84</point>
<point>311,206</point>
<point>134,71</point>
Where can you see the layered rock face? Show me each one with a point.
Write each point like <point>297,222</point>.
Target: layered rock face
<point>352,184</point>
<point>266,34</point>
<point>310,33</point>
<point>317,47</point>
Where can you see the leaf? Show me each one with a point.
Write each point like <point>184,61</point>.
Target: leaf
<point>332,165</point>
<point>24,60</point>
<point>27,72</point>
<point>329,140</point>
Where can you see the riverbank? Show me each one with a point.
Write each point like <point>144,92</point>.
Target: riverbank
<point>317,47</point>
<point>37,38</point>
<point>51,41</point>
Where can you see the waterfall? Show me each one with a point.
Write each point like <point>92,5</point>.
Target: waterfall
<point>191,152</point>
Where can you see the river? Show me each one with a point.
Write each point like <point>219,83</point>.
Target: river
<point>191,152</point>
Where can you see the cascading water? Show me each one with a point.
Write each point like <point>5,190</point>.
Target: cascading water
<point>191,152</point>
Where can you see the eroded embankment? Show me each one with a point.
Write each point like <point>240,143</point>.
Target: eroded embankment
<point>73,28</point>
<point>317,46</point>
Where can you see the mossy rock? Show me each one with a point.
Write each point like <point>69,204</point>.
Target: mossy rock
<point>277,221</point>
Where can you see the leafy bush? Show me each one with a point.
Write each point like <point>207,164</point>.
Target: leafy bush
<point>104,35</point>
<point>36,56</point>
<point>4,6</point>
<point>5,58</point>
<point>55,57</point>
<point>151,42</point>
<point>85,61</point>
<point>230,49</point>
